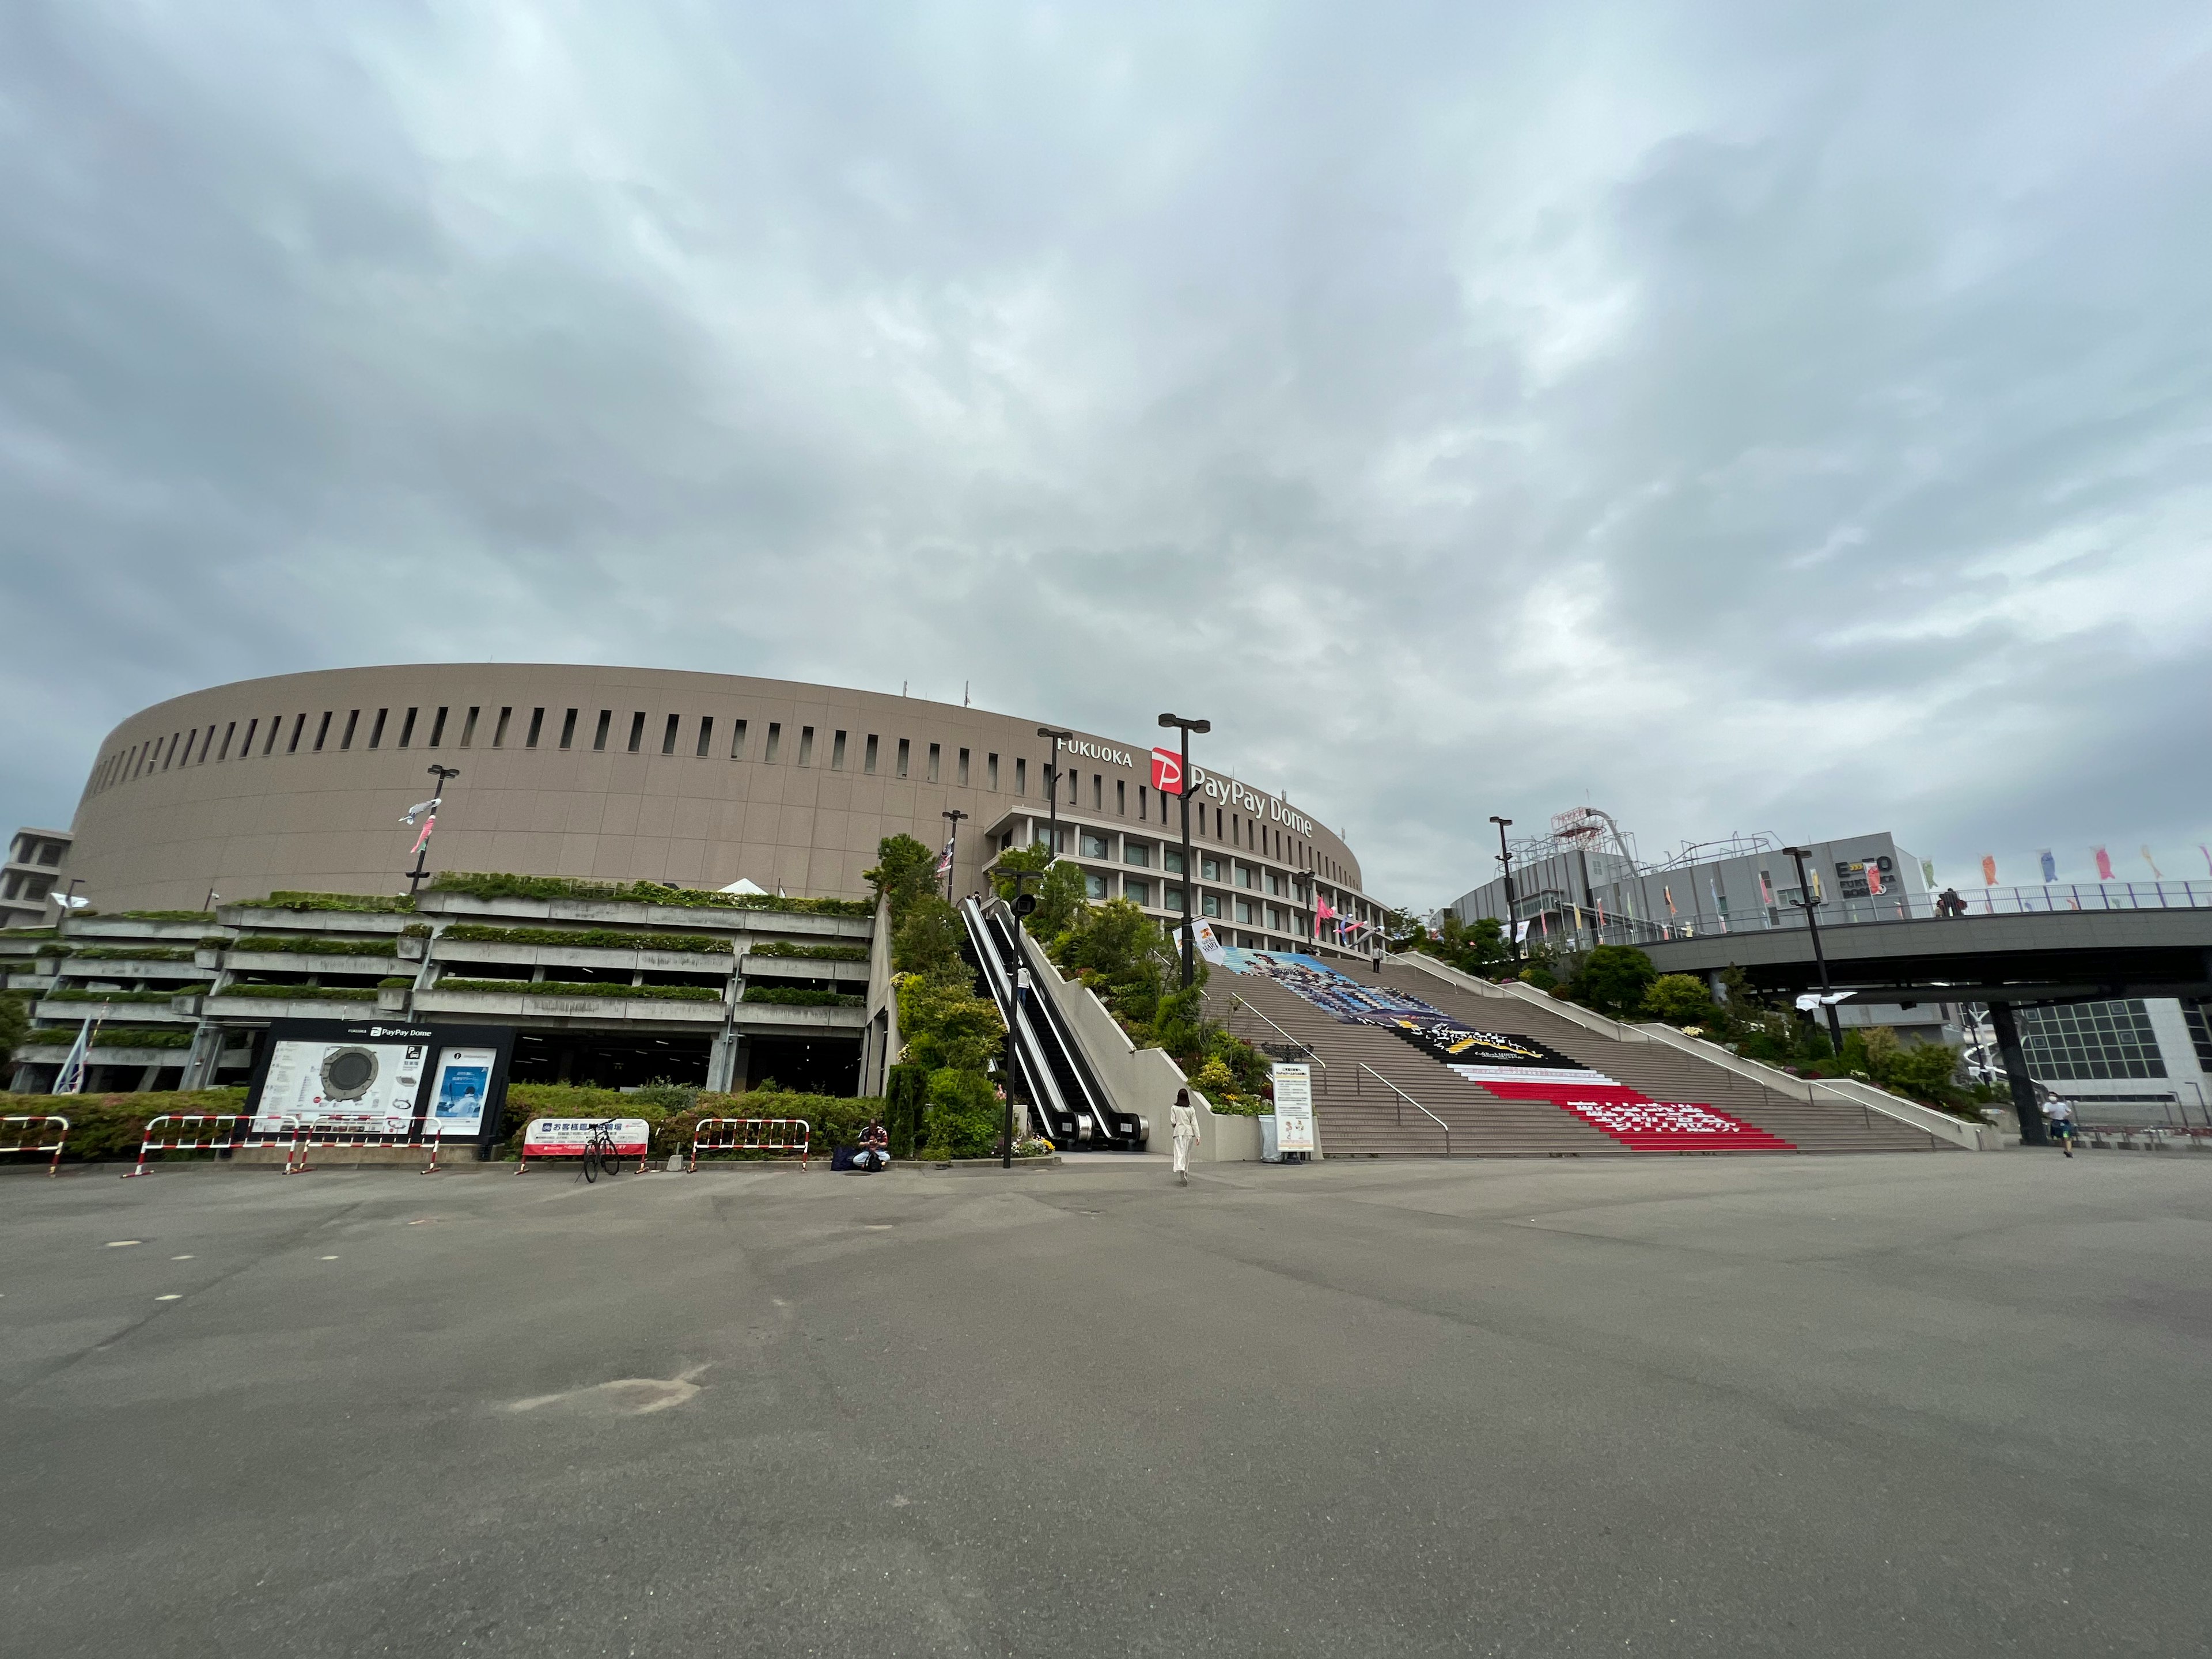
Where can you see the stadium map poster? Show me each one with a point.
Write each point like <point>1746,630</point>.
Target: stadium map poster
<point>390,1079</point>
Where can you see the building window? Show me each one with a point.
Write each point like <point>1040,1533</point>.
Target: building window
<point>1244,875</point>
<point>1094,846</point>
<point>375,731</point>
<point>1137,853</point>
<point>905,748</point>
<point>1021,775</point>
<point>2090,1041</point>
<point>1171,859</point>
<point>606,724</point>
<point>499,731</point>
<point>2200,1034</point>
<point>1274,884</point>
<point>469,727</point>
<point>736,739</point>
<point>1094,887</point>
<point>1136,891</point>
<point>935,751</point>
<point>837,752</point>
<point>1172,898</point>
<point>322,732</point>
<point>299,726</point>
<point>1244,910</point>
<point>537,729</point>
<point>227,731</point>
<point>868,755</point>
<point>1097,792</point>
<point>991,772</point>
<point>438,729</point>
<point>1121,796</point>
<point>706,736</point>
<point>775,741</point>
<point>668,734</point>
<point>1209,869</point>
<point>963,768</point>
<point>636,731</point>
<point>1209,904</point>
<point>1142,810</point>
<point>806,745</point>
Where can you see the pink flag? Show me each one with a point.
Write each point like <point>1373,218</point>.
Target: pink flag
<point>2104,865</point>
<point>1874,878</point>
<point>2207,851</point>
<point>1988,869</point>
<point>429,824</point>
<point>1323,909</point>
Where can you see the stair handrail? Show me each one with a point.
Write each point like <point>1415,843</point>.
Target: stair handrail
<point>1409,1101</point>
<point>1312,1053</point>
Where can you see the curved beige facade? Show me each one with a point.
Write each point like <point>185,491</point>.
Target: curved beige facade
<point>628,774</point>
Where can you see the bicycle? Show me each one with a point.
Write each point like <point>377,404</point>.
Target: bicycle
<point>599,1153</point>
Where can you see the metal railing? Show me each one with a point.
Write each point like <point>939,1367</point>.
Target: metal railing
<point>31,1139</point>
<point>1408,1101</point>
<point>1311,1055</point>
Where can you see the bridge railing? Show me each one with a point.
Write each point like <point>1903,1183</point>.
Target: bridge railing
<point>1577,929</point>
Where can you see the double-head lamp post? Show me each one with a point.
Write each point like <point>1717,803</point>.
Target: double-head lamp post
<point>1052,781</point>
<point>444,775</point>
<point>951,848</point>
<point>1189,870</point>
<point>1505,858</point>
<point>1806,902</point>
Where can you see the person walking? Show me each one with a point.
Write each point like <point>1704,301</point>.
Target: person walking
<point>1183,1129</point>
<point>2059,1113</point>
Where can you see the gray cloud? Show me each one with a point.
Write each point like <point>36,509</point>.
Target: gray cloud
<point>1739,419</point>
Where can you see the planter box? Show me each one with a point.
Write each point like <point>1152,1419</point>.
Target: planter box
<point>119,1013</point>
<point>410,947</point>
<point>772,1019</point>
<point>210,956</point>
<point>43,1052</point>
<point>287,962</point>
<point>289,1008</point>
<point>756,966</point>
<point>676,918</point>
<point>705,964</point>
<point>390,1000</point>
<point>597,1010</point>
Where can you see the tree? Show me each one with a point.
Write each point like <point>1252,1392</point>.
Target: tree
<point>1059,896</point>
<point>1125,947</point>
<point>928,940</point>
<point>1614,978</point>
<point>905,872</point>
<point>946,1025</point>
<point>15,1026</point>
<point>1477,948</point>
<point>1680,999</point>
<point>1926,1071</point>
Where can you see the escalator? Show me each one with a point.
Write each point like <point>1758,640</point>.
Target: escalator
<point>1065,1095</point>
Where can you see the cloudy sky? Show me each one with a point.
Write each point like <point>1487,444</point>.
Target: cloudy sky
<point>1737,417</point>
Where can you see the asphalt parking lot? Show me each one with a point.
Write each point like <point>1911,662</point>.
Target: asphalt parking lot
<point>1880,1405</point>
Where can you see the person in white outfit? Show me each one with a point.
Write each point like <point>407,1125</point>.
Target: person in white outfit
<point>1183,1129</point>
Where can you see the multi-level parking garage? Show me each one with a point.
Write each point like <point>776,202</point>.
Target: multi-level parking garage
<point>631,773</point>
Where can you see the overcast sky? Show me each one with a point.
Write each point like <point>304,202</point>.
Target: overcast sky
<point>1738,417</point>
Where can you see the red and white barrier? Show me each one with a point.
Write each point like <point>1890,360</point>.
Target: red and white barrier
<point>27,1137</point>
<point>566,1136</point>
<point>309,1134</point>
<point>209,1132</point>
<point>752,1134</point>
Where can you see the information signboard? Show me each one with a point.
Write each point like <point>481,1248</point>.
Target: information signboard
<point>564,1137</point>
<point>394,1078</point>
<point>1294,1125</point>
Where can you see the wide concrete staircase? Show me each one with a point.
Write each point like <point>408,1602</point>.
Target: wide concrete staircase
<point>1356,1111</point>
<point>1666,1074</point>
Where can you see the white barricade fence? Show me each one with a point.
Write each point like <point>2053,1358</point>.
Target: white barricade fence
<point>752,1134</point>
<point>336,1130</point>
<point>29,1132</point>
<point>212,1132</point>
<point>566,1136</point>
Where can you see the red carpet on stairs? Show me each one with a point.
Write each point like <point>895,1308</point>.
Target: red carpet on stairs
<point>1637,1121</point>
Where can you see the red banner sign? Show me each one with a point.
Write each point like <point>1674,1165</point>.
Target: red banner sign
<point>1167,771</point>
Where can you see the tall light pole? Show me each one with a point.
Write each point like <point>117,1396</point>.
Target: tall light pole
<point>1806,902</point>
<point>951,847</point>
<point>443,774</point>
<point>1505,858</point>
<point>1051,782</point>
<point>1189,870</point>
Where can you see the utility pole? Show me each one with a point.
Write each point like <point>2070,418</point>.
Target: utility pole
<point>1052,784</point>
<point>1806,902</point>
<point>1505,858</point>
<point>951,848</point>
<point>1189,869</point>
<point>1006,1118</point>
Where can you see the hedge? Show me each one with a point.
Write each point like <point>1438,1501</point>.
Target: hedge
<point>302,992</point>
<point>308,944</point>
<point>7,934</point>
<point>126,996</point>
<point>818,953</point>
<point>166,916</point>
<point>792,996</point>
<point>836,1119</point>
<point>128,953</point>
<point>597,939</point>
<point>554,988</point>
<point>488,885</point>
<point>111,1036</point>
<point>374,904</point>
<point>113,1126</point>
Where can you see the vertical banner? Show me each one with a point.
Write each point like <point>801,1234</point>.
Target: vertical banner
<point>1208,945</point>
<point>1988,869</point>
<point>457,1098</point>
<point>2049,865</point>
<point>1294,1130</point>
<point>2104,865</point>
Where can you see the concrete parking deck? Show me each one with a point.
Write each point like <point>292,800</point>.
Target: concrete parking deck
<point>1879,1405</point>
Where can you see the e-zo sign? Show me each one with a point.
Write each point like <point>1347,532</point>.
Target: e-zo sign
<point>1167,778</point>
<point>407,1081</point>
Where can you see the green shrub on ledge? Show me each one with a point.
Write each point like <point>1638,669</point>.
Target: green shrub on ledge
<point>554,988</point>
<point>165,915</point>
<point>132,953</point>
<point>594,939</point>
<point>124,996</point>
<point>815,952</point>
<point>484,885</point>
<point>111,1036</point>
<point>371,903</point>
<point>308,944</point>
<point>302,992</point>
<point>795,998</point>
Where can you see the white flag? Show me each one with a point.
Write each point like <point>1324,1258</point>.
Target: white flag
<point>71,1080</point>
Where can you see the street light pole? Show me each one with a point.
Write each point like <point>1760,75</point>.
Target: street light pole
<point>1189,870</point>
<point>443,774</point>
<point>951,848</point>
<point>1505,858</point>
<point>1806,901</point>
<point>1051,783</point>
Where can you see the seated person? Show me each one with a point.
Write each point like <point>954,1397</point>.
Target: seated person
<point>875,1148</point>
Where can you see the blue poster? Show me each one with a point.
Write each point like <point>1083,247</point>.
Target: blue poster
<point>456,1104</point>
